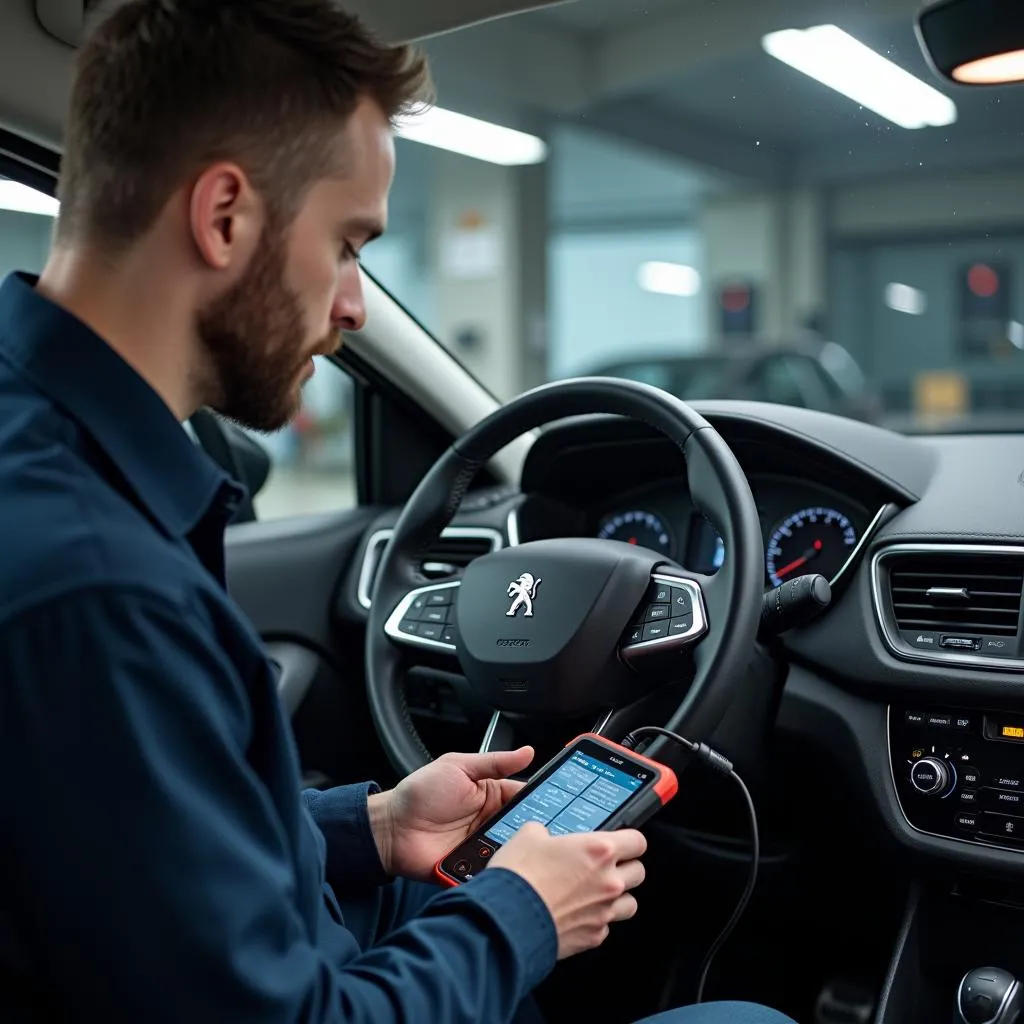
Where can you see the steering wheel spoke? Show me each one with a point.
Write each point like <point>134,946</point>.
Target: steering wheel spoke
<point>671,618</point>
<point>425,618</point>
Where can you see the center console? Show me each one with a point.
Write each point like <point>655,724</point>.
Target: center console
<point>957,957</point>
<point>959,772</point>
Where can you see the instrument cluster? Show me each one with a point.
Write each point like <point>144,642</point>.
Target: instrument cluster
<point>806,528</point>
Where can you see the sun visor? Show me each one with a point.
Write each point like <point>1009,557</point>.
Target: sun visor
<point>394,20</point>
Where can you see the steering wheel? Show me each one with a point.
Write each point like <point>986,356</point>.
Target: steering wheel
<point>571,626</point>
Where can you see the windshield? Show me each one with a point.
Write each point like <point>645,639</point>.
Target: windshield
<point>671,192</point>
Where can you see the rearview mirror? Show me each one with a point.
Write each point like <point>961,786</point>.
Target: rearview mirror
<point>974,42</point>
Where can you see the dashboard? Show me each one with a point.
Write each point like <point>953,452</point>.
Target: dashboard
<point>610,480</point>
<point>806,528</point>
<point>921,652</point>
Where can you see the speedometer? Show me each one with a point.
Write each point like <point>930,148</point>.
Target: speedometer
<point>817,540</point>
<point>644,529</point>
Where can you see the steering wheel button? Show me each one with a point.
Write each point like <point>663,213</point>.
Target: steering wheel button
<point>430,631</point>
<point>408,626</point>
<point>657,611</point>
<point>680,624</point>
<point>660,593</point>
<point>682,603</point>
<point>633,635</point>
<point>655,630</point>
<point>440,597</point>
<point>434,615</point>
<point>450,636</point>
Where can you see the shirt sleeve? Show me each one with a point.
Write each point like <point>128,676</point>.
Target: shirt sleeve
<point>149,871</point>
<point>352,859</point>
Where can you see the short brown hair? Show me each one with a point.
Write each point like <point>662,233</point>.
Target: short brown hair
<point>165,87</point>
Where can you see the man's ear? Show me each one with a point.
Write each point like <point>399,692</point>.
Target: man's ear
<point>225,216</point>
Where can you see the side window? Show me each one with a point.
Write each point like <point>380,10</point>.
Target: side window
<point>311,460</point>
<point>26,223</point>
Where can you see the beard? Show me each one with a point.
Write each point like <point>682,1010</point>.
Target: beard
<point>255,346</point>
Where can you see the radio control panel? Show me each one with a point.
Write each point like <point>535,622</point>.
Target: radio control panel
<point>959,773</point>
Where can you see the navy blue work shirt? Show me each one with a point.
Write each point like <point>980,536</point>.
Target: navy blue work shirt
<point>158,860</point>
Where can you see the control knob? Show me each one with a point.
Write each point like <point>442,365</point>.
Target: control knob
<point>930,776</point>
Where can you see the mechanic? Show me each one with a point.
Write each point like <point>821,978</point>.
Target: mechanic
<point>225,163</point>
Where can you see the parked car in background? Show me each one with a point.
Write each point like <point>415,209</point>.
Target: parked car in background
<point>810,374</point>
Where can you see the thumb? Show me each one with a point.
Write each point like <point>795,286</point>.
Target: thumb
<point>495,764</point>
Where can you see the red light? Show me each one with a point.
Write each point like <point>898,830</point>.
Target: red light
<point>735,300</point>
<point>983,281</point>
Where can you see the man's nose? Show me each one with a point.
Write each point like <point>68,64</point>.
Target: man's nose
<point>349,310</point>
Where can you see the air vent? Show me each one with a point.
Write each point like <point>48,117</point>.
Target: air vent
<point>965,593</point>
<point>446,559</point>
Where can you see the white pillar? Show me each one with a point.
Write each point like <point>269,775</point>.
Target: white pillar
<point>488,242</point>
<point>775,243</point>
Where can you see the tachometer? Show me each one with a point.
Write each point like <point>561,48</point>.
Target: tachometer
<point>644,529</point>
<point>817,540</point>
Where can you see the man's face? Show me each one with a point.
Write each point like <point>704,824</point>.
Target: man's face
<point>302,287</point>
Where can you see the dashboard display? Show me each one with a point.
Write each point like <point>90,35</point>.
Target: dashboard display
<point>813,540</point>
<point>998,728</point>
<point>706,549</point>
<point>644,529</point>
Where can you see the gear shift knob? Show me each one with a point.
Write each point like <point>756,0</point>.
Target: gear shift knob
<point>988,995</point>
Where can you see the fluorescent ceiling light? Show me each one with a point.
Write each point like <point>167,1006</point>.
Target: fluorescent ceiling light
<point>668,278</point>
<point>472,137</point>
<point>905,299</point>
<point>845,64</point>
<point>22,199</point>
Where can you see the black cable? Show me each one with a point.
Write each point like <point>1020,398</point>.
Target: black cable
<point>723,765</point>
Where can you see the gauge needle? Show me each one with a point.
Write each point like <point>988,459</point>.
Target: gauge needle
<point>811,552</point>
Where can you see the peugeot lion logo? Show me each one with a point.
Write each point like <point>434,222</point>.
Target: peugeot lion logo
<point>523,590</point>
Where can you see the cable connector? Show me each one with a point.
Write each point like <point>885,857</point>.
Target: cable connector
<point>721,764</point>
<point>713,759</point>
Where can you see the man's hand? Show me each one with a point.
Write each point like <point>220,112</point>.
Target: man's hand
<point>434,809</point>
<point>583,879</point>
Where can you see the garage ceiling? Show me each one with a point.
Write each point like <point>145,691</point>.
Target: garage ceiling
<point>683,80</point>
<point>688,78</point>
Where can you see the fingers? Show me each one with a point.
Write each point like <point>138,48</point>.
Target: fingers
<point>530,828</point>
<point>496,764</point>
<point>623,908</point>
<point>627,843</point>
<point>507,788</point>
<point>632,873</point>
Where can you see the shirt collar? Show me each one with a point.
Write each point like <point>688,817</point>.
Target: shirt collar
<point>66,360</point>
